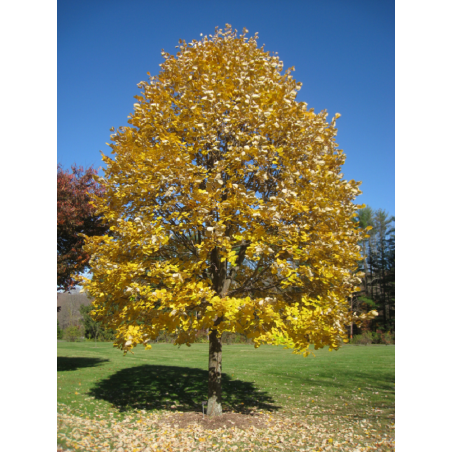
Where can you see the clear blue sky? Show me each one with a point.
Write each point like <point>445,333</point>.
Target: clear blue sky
<point>343,53</point>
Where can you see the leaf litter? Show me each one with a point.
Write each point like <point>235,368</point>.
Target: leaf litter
<point>170,431</point>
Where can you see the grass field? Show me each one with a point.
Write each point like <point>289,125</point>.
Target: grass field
<point>340,400</point>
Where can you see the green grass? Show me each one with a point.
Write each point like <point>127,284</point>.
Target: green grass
<point>354,385</point>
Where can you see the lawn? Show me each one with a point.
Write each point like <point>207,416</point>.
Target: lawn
<point>340,400</point>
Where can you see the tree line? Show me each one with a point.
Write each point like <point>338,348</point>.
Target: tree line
<point>378,265</point>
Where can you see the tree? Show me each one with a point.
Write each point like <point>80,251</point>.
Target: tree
<point>75,215</point>
<point>378,264</point>
<point>384,262</point>
<point>70,308</point>
<point>92,328</point>
<point>358,303</point>
<point>227,210</point>
<point>59,331</point>
<point>73,333</point>
<point>365,221</point>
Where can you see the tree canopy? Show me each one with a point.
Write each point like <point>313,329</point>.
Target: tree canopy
<point>227,208</point>
<point>75,215</point>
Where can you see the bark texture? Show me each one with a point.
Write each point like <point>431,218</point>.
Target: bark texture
<point>214,389</point>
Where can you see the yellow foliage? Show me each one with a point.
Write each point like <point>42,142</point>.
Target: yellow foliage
<point>226,207</point>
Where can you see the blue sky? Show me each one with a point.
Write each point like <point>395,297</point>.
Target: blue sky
<point>343,53</point>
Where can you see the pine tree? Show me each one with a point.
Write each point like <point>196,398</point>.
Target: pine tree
<point>383,258</point>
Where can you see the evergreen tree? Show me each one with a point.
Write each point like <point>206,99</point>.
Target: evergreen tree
<point>378,253</point>
<point>383,261</point>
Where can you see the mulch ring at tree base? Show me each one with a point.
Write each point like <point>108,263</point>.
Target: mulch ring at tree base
<point>226,420</point>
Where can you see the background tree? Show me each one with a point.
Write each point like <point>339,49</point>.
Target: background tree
<point>358,302</point>
<point>227,210</point>
<point>365,221</point>
<point>75,215</point>
<point>59,331</point>
<point>384,262</point>
<point>70,303</point>
<point>378,263</point>
<point>93,330</point>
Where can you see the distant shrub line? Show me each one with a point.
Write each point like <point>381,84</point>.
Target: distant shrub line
<point>373,337</point>
<point>76,333</point>
<point>91,330</point>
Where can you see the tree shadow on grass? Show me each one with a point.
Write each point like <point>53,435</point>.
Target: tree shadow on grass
<point>65,363</point>
<point>161,387</point>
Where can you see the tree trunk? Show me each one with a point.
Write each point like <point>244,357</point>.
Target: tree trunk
<point>221,283</point>
<point>351,324</point>
<point>366,269</point>
<point>383,283</point>
<point>371,265</point>
<point>214,389</point>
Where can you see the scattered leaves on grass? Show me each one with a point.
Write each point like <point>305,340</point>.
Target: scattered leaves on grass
<point>169,431</point>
